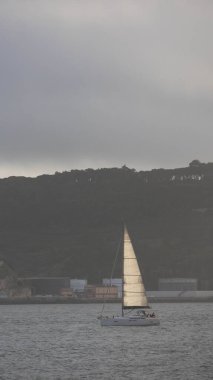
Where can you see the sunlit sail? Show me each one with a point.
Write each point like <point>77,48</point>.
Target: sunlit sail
<point>134,295</point>
<point>134,298</point>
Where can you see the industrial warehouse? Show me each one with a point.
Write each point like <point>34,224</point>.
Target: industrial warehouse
<point>64,289</point>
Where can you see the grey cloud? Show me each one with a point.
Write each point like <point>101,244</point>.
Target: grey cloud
<point>101,84</point>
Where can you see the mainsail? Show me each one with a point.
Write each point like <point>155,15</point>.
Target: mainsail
<point>134,295</point>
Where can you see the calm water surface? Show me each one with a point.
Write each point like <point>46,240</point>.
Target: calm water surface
<point>67,342</point>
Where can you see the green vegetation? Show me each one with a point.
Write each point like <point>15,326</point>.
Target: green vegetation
<point>69,224</point>
<point>5,270</point>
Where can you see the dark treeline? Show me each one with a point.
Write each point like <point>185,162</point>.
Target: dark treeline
<point>69,224</point>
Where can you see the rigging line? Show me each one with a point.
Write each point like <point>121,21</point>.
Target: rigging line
<point>112,271</point>
<point>115,260</point>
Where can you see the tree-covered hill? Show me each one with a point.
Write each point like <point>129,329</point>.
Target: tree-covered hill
<point>70,223</point>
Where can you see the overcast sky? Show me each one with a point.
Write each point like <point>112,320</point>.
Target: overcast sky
<point>105,83</point>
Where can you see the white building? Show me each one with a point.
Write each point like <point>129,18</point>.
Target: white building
<point>78,285</point>
<point>114,282</point>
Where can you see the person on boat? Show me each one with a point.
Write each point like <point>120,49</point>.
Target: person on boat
<point>141,313</point>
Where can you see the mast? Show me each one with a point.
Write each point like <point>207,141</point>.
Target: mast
<point>123,272</point>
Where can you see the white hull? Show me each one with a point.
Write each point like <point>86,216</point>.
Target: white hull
<point>129,321</point>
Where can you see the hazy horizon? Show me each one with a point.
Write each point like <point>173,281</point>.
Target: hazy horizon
<point>138,169</point>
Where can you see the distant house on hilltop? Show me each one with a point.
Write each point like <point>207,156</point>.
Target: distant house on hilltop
<point>195,164</point>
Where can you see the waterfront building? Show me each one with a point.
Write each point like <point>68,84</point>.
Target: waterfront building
<point>101,292</point>
<point>114,282</point>
<point>78,285</point>
<point>46,285</point>
<point>177,284</point>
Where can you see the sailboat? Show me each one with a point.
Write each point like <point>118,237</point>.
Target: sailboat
<point>135,308</point>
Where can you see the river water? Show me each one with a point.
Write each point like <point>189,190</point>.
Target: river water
<point>67,342</point>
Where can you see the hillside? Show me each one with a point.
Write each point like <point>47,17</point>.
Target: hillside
<point>69,224</point>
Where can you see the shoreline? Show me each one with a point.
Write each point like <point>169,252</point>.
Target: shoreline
<point>66,300</point>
